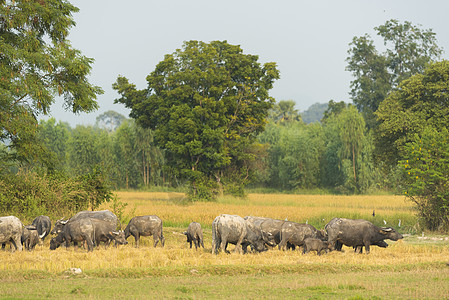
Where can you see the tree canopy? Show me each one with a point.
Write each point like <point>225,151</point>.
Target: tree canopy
<point>420,101</point>
<point>206,103</point>
<point>409,49</point>
<point>37,63</point>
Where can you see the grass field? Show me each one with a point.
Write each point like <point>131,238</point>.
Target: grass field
<point>412,268</point>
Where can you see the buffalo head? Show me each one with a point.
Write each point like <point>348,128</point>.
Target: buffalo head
<point>391,233</point>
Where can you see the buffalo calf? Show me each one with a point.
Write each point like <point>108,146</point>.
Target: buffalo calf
<point>312,244</point>
<point>194,234</point>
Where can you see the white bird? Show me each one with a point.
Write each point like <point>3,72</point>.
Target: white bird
<point>399,223</point>
<point>385,222</point>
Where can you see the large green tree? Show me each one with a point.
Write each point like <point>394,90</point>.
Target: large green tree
<point>206,103</point>
<point>409,49</point>
<point>410,119</point>
<point>419,102</point>
<point>37,63</point>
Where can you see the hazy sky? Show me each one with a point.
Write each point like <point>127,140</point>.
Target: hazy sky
<point>308,40</point>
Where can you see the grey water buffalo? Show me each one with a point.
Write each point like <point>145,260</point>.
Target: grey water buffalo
<point>235,230</point>
<point>358,233</point>
<point>43,226</point>
<point>11,229</point>
<point>145,226</point>
<point>75,231</point>
<point>295,234</point>
<point>30,237</point>
<point>194,234</point>
<point>312,244</point>
<point>104,215</point>
<point>105,232</point>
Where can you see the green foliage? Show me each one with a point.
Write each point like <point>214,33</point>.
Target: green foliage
<point>284,111</point>
<point>426,176</point>
<point>408,51</point>
<point>38,63</point>
<point>419,102</point>
<point>29,193</point>
<point>206,103</point>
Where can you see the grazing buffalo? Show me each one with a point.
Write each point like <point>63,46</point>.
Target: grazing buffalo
<point>75,231</point>
<point>358,233</point>
<point>145,226</point>
<point>43,226</point>
<point>194,234</point>
<point>30,237</point>
<point>235,230</point>
<point>104,215</point>
<point>105,232</point>
<point>312,244</point>
<point>296,233</point>
<point>11,229</point>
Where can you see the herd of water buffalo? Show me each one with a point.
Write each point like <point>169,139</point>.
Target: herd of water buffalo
<point>94,227</point>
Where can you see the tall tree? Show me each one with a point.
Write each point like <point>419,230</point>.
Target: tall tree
<point>409,49</point>
<point>420,101</point>
<point>110,120</point>
<point>206,103</point>
<point>37,63</point>
<point>284,111</point>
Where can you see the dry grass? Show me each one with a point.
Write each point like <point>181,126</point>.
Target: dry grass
<point>176,254</point>
<point>336,274</point>
<point>171,208</point>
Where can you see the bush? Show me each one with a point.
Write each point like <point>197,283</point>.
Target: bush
<point>28,193</point>
<point>426,176</point>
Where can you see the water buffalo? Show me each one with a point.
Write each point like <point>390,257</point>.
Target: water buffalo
<point>105,232</point>
<point>30,237</point>
<point>270,228</point>
<point>105,215</point>
<point>296,233</point>
<point>75,231</point>
<point>145,226</point>
<point>355,233</point>
<point>194,234</point>
<point>312,244</point>
<point>11,229</point>
<point>43,226</point>
<point>235,230</point>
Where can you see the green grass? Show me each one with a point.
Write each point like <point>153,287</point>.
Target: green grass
<point>408,284</point>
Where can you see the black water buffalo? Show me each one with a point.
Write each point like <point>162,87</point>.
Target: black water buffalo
<point>194,234</point>
<point>43,226</point>
<point>295,234</point>
<point>358,233</point>
<point>11,229</point>
<point>104,215</point>
<point>30,237</point>
<point>235,230</point>
<point>312,244</point>
<point>75,231</point>
<point>145,226</point>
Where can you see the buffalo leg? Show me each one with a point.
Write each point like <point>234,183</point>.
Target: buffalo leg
<point>367,244</point>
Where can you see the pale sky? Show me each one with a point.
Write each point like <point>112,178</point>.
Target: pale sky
<point>308,40</point>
